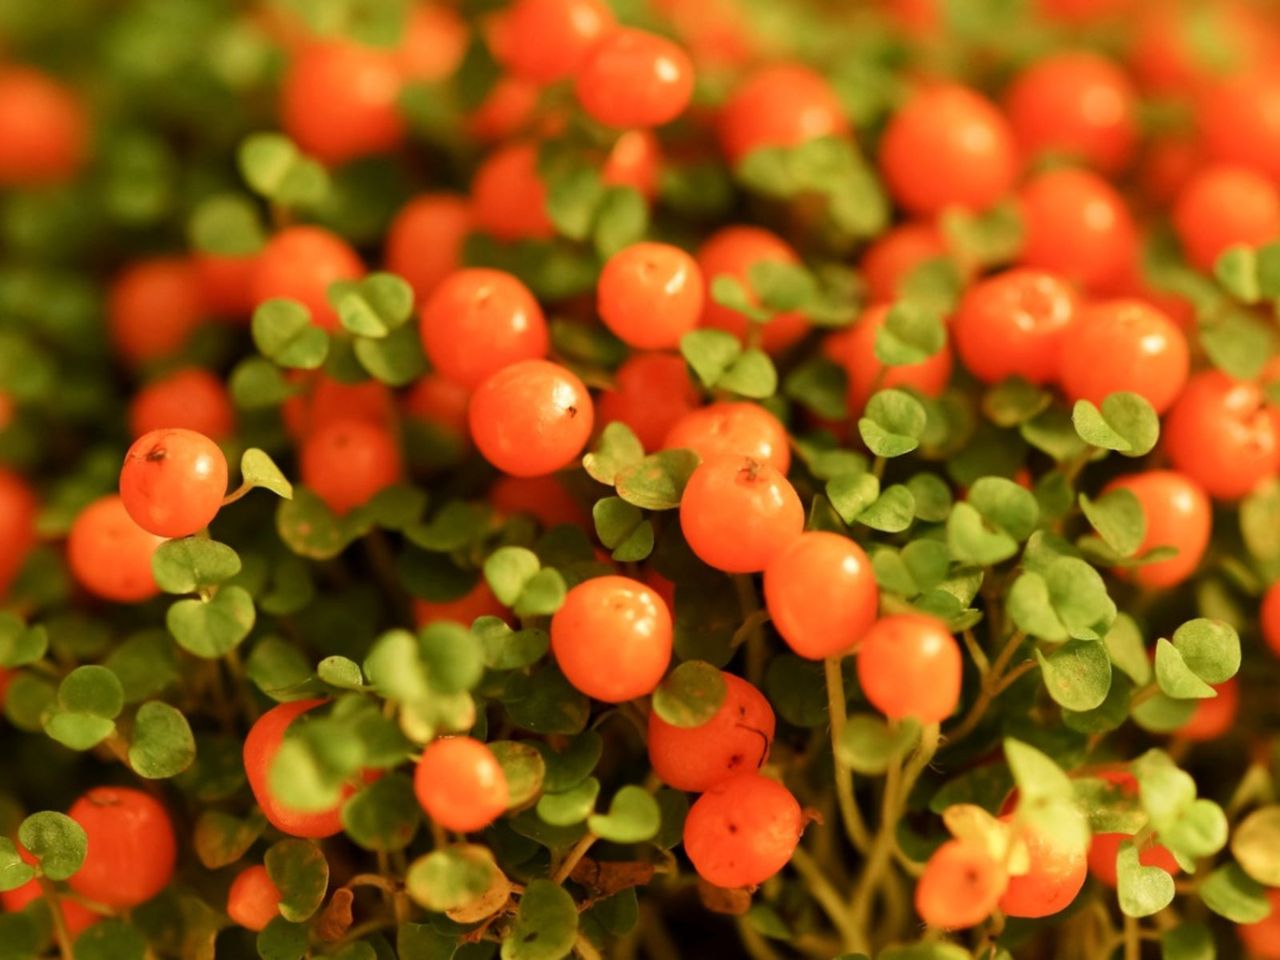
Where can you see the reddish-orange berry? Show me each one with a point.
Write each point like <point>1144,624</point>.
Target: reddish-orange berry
<point>44,129</point>
<point>543,498</point>
<point>173,481</point>
<point>433,44</point>
<point>191,399</point>
<point>477,602</point>
<point>737,513</point>
<point>441,403</point>
<point>1168,162</point>
<point>1220,434</point>
<point>1014,324</point>
<point>110,555</point>
<point>1076,104</point>
<point>1221,206</point>
<point>1262,939</point>
<point>325,400</point>
<point>948,147</point>
<point>531,418</point>
<point>1105,847</point>
<point>505,111</point>
<point>633,78</point>
<point>735,740</point>
<point>132,849</point>
<point>153,307</point>
<point>1214,717</point>
<point>18,508</point>
<point>855,350</point>
<point>652,393</point>
<point>891,258</point>
<point>1270,618</point>
<point>1076,225</point>
<point>732,251</point>
<point>338,101</point>
<point>508,197</point>
<point>460,784</point>
<point>821,594</point>
<point>742,831</point>
<point>909,665</point>
<point>347,462</point>
<point>1124,345</point>
<point>738,429</point>
<point>1239,120</point>
<point>479,321</point>
<point>1057,872</point>
<point>1167,54</point>
<point>960,887</point>
<point>253,900</point>
<point>550,39</point>
<point>260,749</point>
<point>634,161</point>
<point>782,105</point>
<point>301,263</point>
<point>612,638</point>
<point>424,241</point>
<point>1178,515</point>
<point>226,284</point>
<point>650,295</point>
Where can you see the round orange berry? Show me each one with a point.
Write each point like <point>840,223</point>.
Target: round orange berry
<point>173,481</point>
<point>742,831</point>
<point>460,784</point>
<point>909,665</point>
<point>531,418</point>
<point>737,513</point>
<point>821,594</point>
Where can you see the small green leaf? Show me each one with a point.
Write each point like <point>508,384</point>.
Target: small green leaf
<point>1211,648</point>
<point>1080,598</point>
<point>912,333</point>
<point>622,528</point>
<point>110,939</point>
<point>162,744</point>
<point>709,354</point>
<point>186,565</point>
<point>821,385</point>
<point>505,649</point>
<point>1188,941</point>
<point>1127,649</point>
<point>893,423</point>
<point>340,672</point>
<point>972,541</point>
<point>751,374</point>
<point>13,871</point>
<point>258,470</point>
<point>573,805</point>
<point>300,872</point>
<point>1077,674</point>
<point>868,745</point>
<point>622,219</point>
<point>1238,342</point>
<point>282,940</point>
<point>221,839</point>
<point>20,644</point>
<point>852,493</point>
<point>1199,831</point>
<point>396,359</point>
<point>782,286</point>
<point>508,570</point>
<point>1143,891</point>
<point>546,925</point>
<point>452,877</point>
<point>226,225</point>
<point>1005,505</point>
<point>891,512</point>
<point>256,384</point>
<point>92,690</point>
<point>214,627</point>
<point>542,595</point>
<point>633,817</point>
<point>1013,402</point>
<point>383,816</point>
<point>1119,519</point>
<point>617,451</point>
<point>283,332</point>
<point>452,656</point>
<point>56,841</point>
<point>730,292</point>
<point>657,482</point>
<point>1237,270</point>
<point>524,769</point>
<point>1176,679</point>
<point>574,194</point>
<point>1126,423</point>
<point>690,695</point>
<point>1256,845</point>
<point>375,305</point>
<point>274,167</point>
<point>1031,608</point>
<point>1231,893</point>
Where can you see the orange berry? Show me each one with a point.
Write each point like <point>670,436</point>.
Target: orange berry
<point>652,394</point>
<point>460,784</point>
<point>909,665</point>
<point>633,78</point>
<point>1221,434</point>
<point>855,350</point>
<point>531,418</point>
<point>477,602</point>
<point>110,555</point>
<point>1239,119</point>
<point>960,886</point>
<point>1014,324</point>
<point>131,850</point>
<point>821,594</point>
<point>1213,717</point>
<point>1178,515</point>
<point>300,263</point>
<point>550,39</point>
<point>1124,345</point>
<point>253,900</point>
<point>1262,939</point>
<point>173,481</point>
<point>44,129</point>
<point>742,831</point>
<point>424,241</point>
<point>892,256</point>
<point>260,749</point>
<point>737,513</point>
<point>1057,872</point>
<point>781,105</point>
<point>1270,618</point>
<point>18,508</point>
<point>153,307</point>
<point>347,462</point>
<point>650,295</point>
<point>735,429</point>
<point>732,251</point>
<point>191,398</point>
<point>508,197</point>
<point>1221,206</point>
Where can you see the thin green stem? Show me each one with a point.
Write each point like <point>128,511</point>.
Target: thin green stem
<point>60,931</point>
<point>573,858</point>
<point>838,711</point>
<point>993,684</point>
<point>1132,939</point>
<point>757,655</point>
<point>825,895</point>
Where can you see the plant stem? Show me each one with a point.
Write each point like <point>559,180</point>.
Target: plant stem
<point>572,858</point>
<point>993,684</point>
<point>1132,939</point>
<point>60,931</point>
<point>236,494</point>
<point>826,896</point>
<point>838,711</point>
<point>585,949</point>
<point>750,604</point>
<point>757,947</point>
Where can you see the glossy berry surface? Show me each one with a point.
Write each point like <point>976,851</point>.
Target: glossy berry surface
<point>821,594</point>
<point>909,666</point>
<point>1014,325</point>
<point>300,263</point>
<point>1178,515</point>
<point>173,481</point>
<point>550,39</point>
<point>650,295</point>
<point>110,555</point>
<point>1056,874</point>
<point>633,78</point>
<point>424,241</point>
<point>732,429</point>
<point>652,394</point>
<point>253,900</point>
<point>960,886</point>
<point>478,321</point>
<point>1221,206</point>
<point>531,418</point>
<point>737,513</point>
<point>612,638</point>
<point>347,462</point>
<point>782,105</point>
<point>742,831</point>
<point>132,848</point>
<point>735,740</point>
<point>460,784</point>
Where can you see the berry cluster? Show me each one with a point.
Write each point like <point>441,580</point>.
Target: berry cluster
<point>600,478</point>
